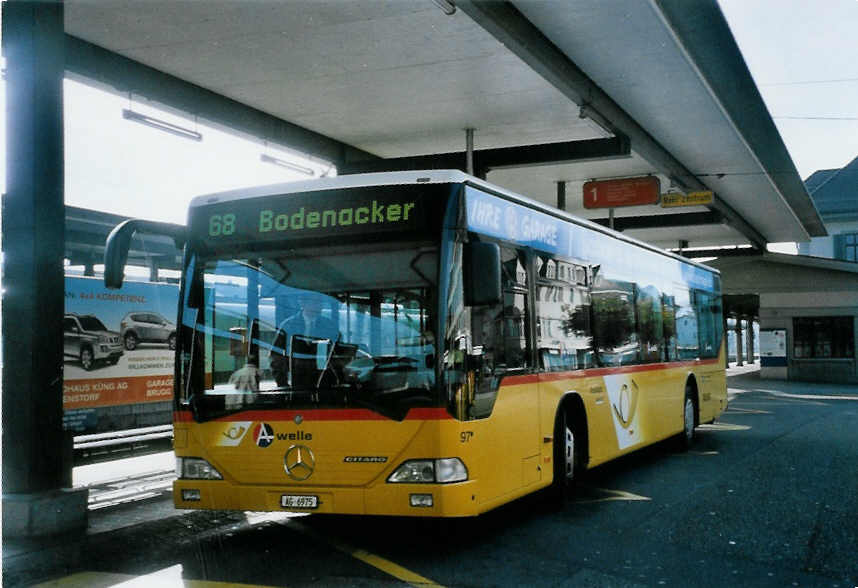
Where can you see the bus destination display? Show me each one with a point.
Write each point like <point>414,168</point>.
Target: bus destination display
<point>309,215</point>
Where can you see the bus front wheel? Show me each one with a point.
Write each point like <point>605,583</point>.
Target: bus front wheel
<point>566,462</point>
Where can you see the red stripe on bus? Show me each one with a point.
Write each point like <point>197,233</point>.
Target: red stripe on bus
<point>604,371</point>
<point>439,413</point>
<point>626,369</point>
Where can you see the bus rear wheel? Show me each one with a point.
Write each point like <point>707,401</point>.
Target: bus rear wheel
<point>689,420</point>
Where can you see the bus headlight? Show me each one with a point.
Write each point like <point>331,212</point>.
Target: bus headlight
<point>427,471</point>
<point>450,469</point>
<point>194,468</point>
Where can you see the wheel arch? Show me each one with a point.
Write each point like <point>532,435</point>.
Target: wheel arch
<point>576,413</point>
<point>691,386</point>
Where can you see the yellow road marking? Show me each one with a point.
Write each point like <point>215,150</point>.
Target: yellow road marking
<point>162,579</point>
<point>376,561</point>
<point>611,495</point>
<point>724,427</point>
<point>88,580</point>
<point>747,410</point>
<point>780,394</point>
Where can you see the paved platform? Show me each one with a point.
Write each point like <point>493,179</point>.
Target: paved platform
<point>746,378</point>
<point>131,508</point>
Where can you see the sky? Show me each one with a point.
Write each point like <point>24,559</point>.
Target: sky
<point>802,54</point>
<point>120,166</point>
<point>138,166</point>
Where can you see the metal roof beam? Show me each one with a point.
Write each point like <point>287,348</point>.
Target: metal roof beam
<point>703,33</point>
<point>719,252</point>
<point>127,76</point>
<point>488,159</point>
<point>503,21</point>
<point>662,221</point>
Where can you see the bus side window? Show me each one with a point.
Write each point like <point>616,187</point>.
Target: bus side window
<point>688,346</point>
<point>668,313</point>
<point>650,323</point>
<point>614,332</point>
<point>708,310</point>
<point>500,340</point>
<point>516,313</point>
<point>563,334</point>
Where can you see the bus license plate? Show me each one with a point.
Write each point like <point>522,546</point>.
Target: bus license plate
<point>291,501</point>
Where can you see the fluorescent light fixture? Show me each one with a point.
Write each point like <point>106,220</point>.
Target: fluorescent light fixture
<point>161,125</point>
<point>448,7</point>
<point>287,164</point>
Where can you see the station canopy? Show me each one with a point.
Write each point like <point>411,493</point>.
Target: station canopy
<point>556,91</point>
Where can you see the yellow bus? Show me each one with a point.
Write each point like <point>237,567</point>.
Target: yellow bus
<point>422,343</point>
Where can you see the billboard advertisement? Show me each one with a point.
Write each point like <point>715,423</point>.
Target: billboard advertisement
<point>118,347</point>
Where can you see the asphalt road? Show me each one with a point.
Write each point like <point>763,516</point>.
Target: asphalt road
<point>768,496</point>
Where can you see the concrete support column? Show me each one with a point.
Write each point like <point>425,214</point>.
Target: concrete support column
<point>561,195</point>
<point>36,450</point>
<point>750,335</point>
<point>738,329</point>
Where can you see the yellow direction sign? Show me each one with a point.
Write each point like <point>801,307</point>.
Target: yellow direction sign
<point>691,199</point>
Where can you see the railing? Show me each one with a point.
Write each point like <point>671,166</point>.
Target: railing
<point>119,444</point>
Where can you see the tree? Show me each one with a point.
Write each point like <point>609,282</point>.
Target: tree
<point>614,322</point>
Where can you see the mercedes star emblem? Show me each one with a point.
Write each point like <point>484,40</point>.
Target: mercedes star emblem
<point>299,462</point>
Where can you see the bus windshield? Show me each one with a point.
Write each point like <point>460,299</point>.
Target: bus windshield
<point>331,327</point>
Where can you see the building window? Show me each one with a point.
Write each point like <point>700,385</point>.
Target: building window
<point>563,333</point>
<point>850,247</point>
<point>823,337</point>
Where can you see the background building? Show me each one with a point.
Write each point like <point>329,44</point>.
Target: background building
<point>835,194</point>
<point>808,303</point>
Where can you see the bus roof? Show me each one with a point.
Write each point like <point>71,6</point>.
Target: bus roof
<point>446,176</point>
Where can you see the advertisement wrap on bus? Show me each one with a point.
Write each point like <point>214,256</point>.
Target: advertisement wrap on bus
<point>424,344</point>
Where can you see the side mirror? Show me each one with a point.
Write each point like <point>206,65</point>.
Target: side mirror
<point>482,274</point>
<point>119,242</point>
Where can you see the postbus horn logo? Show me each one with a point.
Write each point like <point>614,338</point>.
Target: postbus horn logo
<point>263,434</point>
<point>627,404</point>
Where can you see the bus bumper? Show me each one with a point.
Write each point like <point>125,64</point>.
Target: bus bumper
<point>447,500</point>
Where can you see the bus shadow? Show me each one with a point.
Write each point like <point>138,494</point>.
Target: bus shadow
<point>402,537</point>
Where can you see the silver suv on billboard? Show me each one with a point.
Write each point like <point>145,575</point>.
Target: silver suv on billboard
<point>86,339</point>
<point>146,327</point>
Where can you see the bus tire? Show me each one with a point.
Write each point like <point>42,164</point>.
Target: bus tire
<point>566,456</point>
<point>685,439</point>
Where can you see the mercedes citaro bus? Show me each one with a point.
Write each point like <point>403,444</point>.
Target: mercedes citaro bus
<point>422,343</point>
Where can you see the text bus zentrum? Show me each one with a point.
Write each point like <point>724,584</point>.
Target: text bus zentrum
<point>423,343</point>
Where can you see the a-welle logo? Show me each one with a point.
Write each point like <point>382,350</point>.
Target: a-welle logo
<point>263,434</point>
